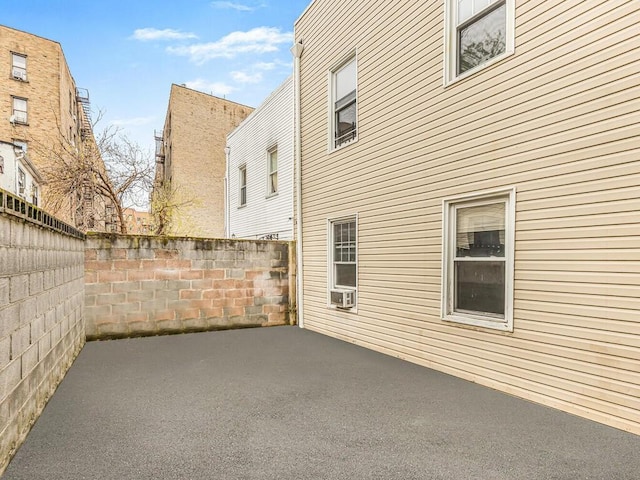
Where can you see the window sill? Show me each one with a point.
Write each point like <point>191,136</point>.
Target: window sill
<point>271,195</point>
<point>343,145</point>
<point>242,206</point>
<point>480,321</point>
<point>352,310</point>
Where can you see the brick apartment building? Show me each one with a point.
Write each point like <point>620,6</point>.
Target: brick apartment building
<point>190,160</point>
<point>43,112</point>
<point>138,223</point>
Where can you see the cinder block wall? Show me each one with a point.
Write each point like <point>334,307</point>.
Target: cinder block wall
<point>41,316</point>
<point>136,286</point>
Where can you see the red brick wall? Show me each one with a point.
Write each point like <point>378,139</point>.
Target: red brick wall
<point>138,286</point>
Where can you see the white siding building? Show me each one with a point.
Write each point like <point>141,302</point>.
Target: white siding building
<point>17,174</point>
<point>259,196</point>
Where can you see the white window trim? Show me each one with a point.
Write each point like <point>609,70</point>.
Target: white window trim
<point>448,249</point>
<point>240,187</point>
<point>18,72</point>
<point>352,56</point>
<point>25,120</point>
<point>330,274</point>
<point>271,150</point>
<point>451,41</point>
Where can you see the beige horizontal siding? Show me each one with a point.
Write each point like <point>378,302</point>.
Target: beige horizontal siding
<point>559,120</point>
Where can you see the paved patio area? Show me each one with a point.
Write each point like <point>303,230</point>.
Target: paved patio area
<point>284,403</point>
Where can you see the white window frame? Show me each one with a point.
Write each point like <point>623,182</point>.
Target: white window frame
<point>270,173</point>
<point>347,60</point>
<point>21,183</point>
<point>451,37</point>
<point>242,185</point>
<point>24,118</point>
<point>18,72</point>
<point>331,275</point>
<point>449,206</point>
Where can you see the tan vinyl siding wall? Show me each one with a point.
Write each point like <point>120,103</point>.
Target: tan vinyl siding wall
<point>559,120</point>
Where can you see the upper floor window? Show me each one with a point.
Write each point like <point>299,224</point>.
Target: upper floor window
<point>22,182</point>
<point>19,110</point>
<point>478,32</point>
<point>18,67</point>
<point>344,103</point>
<point>34,194</point>
<point>242,182</point>
<point>272,185</point>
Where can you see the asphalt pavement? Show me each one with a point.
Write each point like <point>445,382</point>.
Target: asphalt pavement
<point>285,403</point>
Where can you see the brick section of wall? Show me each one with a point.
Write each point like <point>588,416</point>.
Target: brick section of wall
<point>41,321</point>
<point>136,286</point>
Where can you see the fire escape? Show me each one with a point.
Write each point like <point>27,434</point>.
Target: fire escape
<point>82,96</point>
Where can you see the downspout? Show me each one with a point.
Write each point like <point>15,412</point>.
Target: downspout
<point>296,50</point>
<point>227,204</point>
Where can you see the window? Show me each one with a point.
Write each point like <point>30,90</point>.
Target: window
<point>242,181</point>
<point>20,110</point>
<point>478,31</point>
<point>1,164</point>
<point>343,274</point>
<point>344,103</point>
<point>478,260</point>
<point>272,181</point>
<point>19,67</point>
<point>34,194</point>
<point>22,182</point>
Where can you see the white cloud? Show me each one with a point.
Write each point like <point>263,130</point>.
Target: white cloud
<point>265,66</point>
<point>234,6</point>
<point>242,77</point>
<point>136,121</point>
<point>258,40</point>
<point>146,34</point>
<point>214,88</point>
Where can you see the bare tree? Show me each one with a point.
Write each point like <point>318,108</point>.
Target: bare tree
<point>98,178</point>
<point>128,174</point>
<point>167,203</point>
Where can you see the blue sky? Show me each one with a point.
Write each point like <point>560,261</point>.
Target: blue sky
<point>127,53</point>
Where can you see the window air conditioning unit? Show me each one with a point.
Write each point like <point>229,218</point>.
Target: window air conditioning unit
<point>19,75</point>
<point>343,298</point>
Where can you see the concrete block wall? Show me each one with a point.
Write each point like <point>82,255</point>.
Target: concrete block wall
<point>41,316</point>
<point>138,285</point>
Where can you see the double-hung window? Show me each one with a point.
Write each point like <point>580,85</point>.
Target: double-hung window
<point>272,167</point>
<point>20,110</point>
<point>242,182</point>
<point>19,67</point>
<point>343,258</point>
<point>478,259</point>
<point>22,183</point>
<point>478,31</point>
<point>344,103</point>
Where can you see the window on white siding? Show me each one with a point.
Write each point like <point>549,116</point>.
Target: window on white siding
<point>272,167</point>
<point>478,260</point>
<point>343,258</point>
<point>19,67</point>
<point>22,182</point>
<point>478,31</point>
<point>34,194</point>
<point>20,110</point>
<point>242,182</point>
<point>344,103</point>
